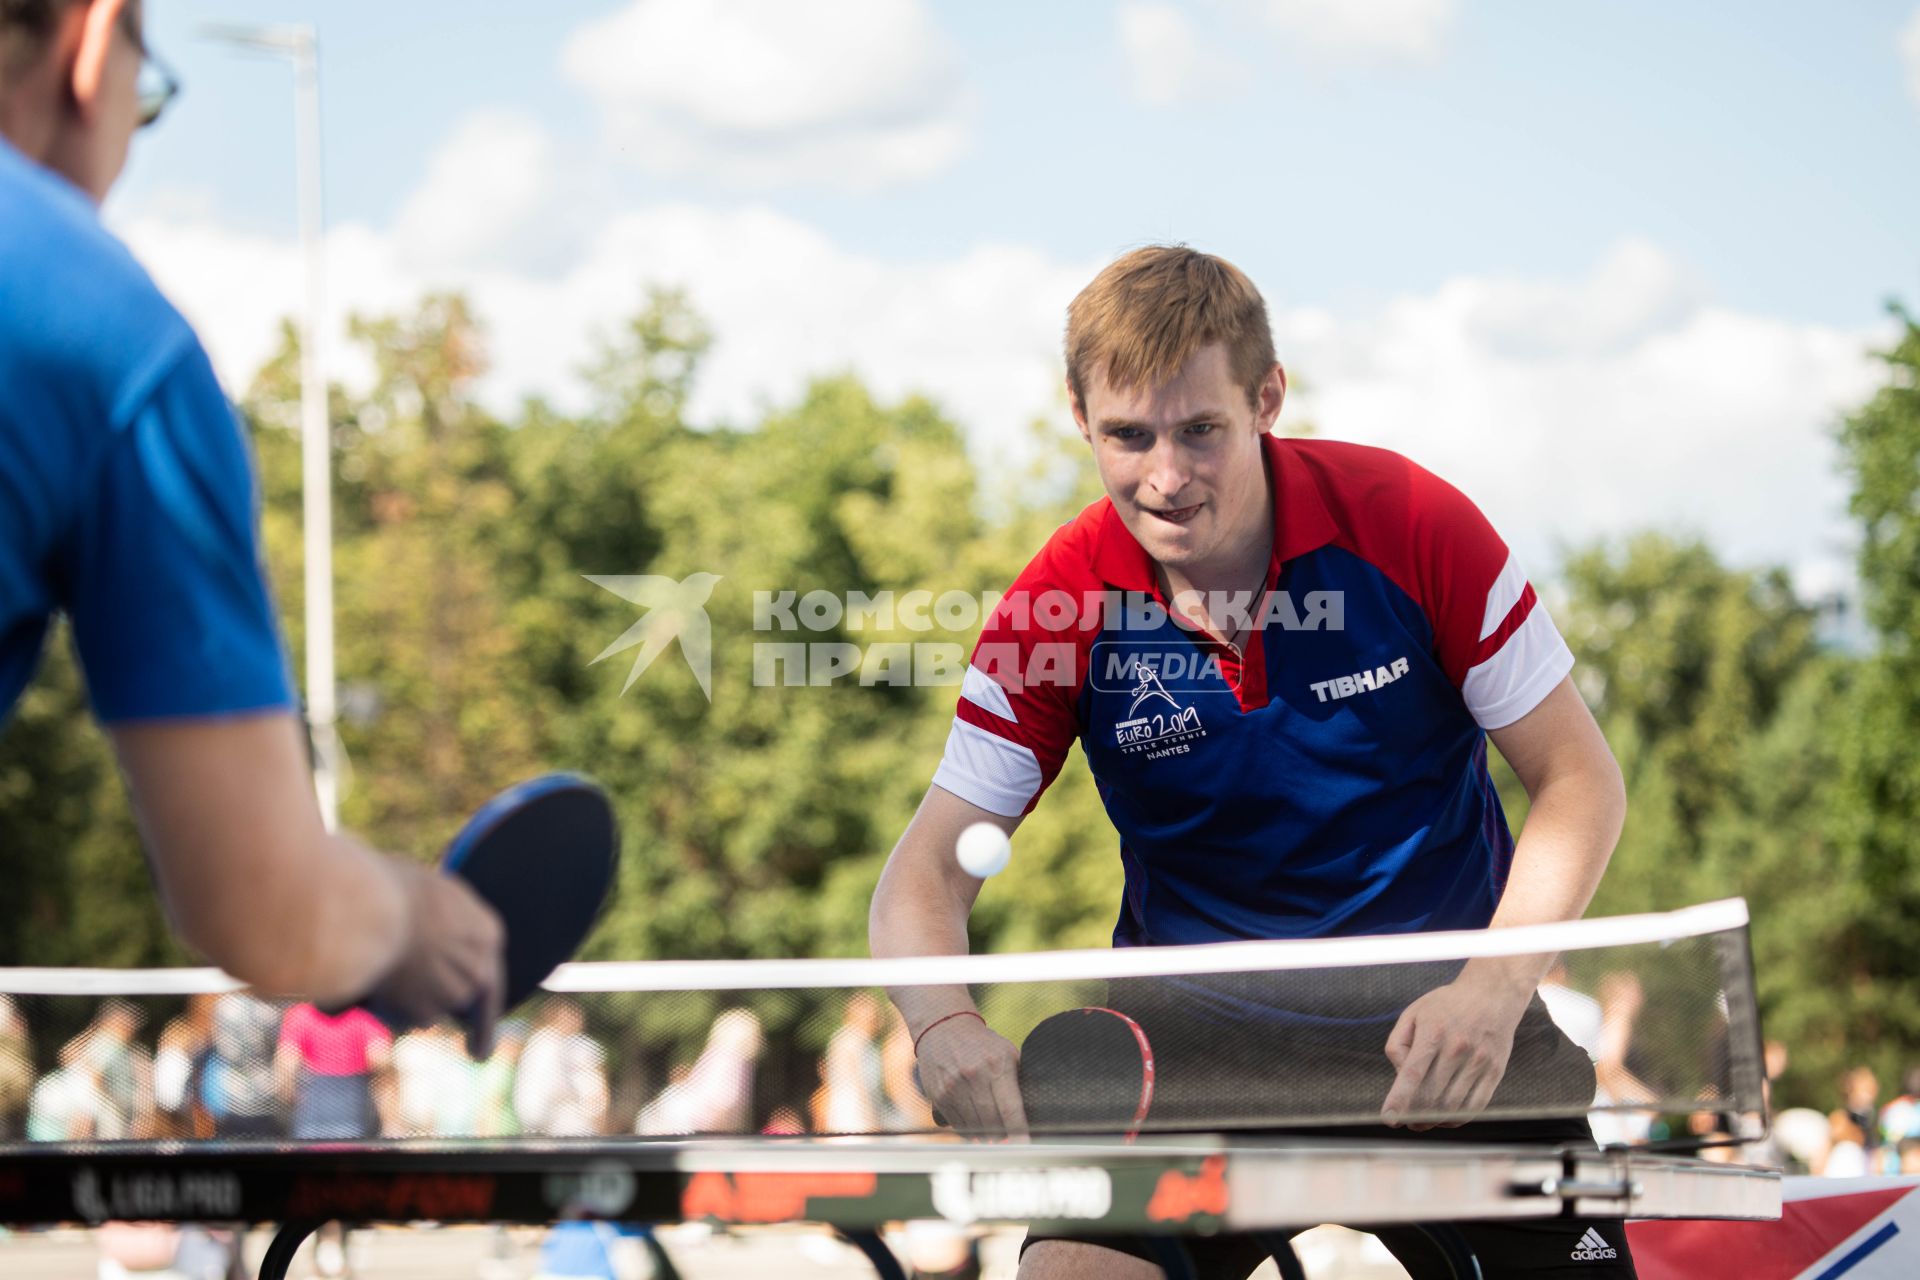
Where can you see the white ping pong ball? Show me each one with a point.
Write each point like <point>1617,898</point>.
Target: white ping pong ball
<point>983,850</point>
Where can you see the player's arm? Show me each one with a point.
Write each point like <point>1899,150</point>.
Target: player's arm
<point>198,701</point>
<point>1450,1047</point>
<point>1013,725</point>
<point>596,1097</point>
<point>1621,999</point>
<point>383,1084</point>
<point>286,1071</point>
<point>1577,805</point>
<point>920,908</point>
<point>251,878</point>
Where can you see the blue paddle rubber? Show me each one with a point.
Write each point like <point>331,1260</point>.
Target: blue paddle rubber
<point>543,855</point>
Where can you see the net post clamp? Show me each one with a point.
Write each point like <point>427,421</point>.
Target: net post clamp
<point>1625,1187</point>
<point>1577,1184</point>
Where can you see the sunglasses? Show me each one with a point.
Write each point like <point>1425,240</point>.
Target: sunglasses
<point>157,86</point>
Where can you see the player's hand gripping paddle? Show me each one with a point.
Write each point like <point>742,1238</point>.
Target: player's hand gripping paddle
<point>542,854</point>
<point>1087,1071</point>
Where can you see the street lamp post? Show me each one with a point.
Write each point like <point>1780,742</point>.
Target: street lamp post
<point>299,45</point>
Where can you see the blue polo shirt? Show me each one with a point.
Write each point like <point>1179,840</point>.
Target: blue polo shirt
<point>127,496</point>
<point>1330,778</point>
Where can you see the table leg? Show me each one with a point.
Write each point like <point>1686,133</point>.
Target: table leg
<point>663,1268</point>
<point>1454,1248</point>
<point>286,1242</point>
<point>1172,1256</point>
<point>885,1265</point>
<point>1280,1249</point>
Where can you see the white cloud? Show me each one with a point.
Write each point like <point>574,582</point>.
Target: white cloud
<point>1376,29</point>
<point>1568,409</point>
<point>483,188</point>
<point>764,93</point>
<point>1166,61</point>
<point>1910,53</point>
<point>980,331</point>
<point>787,304</point>
<point>1635,293</point>
<point>236,288</point>
<point>1571,410</point>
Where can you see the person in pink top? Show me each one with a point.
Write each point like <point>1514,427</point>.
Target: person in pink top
<point>328,1064</point>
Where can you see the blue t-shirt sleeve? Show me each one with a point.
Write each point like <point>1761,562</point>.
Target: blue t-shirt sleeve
<point>163,577</point>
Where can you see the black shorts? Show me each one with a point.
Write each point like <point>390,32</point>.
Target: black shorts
<point>1507,1250</point>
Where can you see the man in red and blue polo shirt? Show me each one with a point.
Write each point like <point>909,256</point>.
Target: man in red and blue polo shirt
<point>1283,659</point>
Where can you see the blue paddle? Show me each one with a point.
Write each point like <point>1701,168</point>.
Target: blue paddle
<point>542,854</point>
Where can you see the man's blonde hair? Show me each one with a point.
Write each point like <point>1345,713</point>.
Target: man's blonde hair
<point>1149,311</point>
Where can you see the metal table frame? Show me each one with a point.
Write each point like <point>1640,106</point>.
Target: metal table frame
<point>1165,1188</point>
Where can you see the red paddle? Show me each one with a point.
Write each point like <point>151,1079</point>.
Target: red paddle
<point>1087,1071</point>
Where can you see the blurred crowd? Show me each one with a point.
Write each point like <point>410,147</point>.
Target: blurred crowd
<point>235,1066</point>
<point>232,1066</point>
<point>1863,1134</point>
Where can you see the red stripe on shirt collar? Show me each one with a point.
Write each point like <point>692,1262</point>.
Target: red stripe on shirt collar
<point>1301,523</point>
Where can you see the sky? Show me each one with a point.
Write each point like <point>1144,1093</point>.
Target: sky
<point>1605,267</point>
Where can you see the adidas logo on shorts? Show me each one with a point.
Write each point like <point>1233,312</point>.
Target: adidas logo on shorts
<point>1593,1249</point>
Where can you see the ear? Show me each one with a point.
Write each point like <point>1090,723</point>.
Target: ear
<point>1273,393</point>
<point>1079,414</point>
<point>96,47</point>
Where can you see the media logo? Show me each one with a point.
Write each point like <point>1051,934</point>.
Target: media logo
<point>1179,667</point>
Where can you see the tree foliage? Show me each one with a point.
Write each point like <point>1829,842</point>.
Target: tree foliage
<point>1684,661</point>
<point>1871,969</point>
<point>754,823</point>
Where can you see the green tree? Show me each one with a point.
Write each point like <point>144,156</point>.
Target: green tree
<point>1684,662</point>
<point>78,892</point>
<point>1780,846</point>
<point>1714,693</point>
<point>1871,969</point>
<point>422,493</point>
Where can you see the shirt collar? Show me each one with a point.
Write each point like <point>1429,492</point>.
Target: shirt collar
<point>1301,523</point>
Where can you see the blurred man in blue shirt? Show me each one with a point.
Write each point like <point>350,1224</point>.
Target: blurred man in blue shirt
<point>127,501</point>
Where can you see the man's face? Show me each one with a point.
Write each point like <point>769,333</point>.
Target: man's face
<point>1182,462</point>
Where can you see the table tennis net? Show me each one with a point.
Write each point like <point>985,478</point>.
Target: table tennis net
<point>1647,1024</point>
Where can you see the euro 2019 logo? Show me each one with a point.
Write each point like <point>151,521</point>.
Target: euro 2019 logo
<point>1157,724</point>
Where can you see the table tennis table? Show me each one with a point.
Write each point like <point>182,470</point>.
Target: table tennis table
<point>1163,1187</point>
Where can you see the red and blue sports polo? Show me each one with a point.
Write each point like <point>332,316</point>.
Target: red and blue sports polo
<point>1330,779</point>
